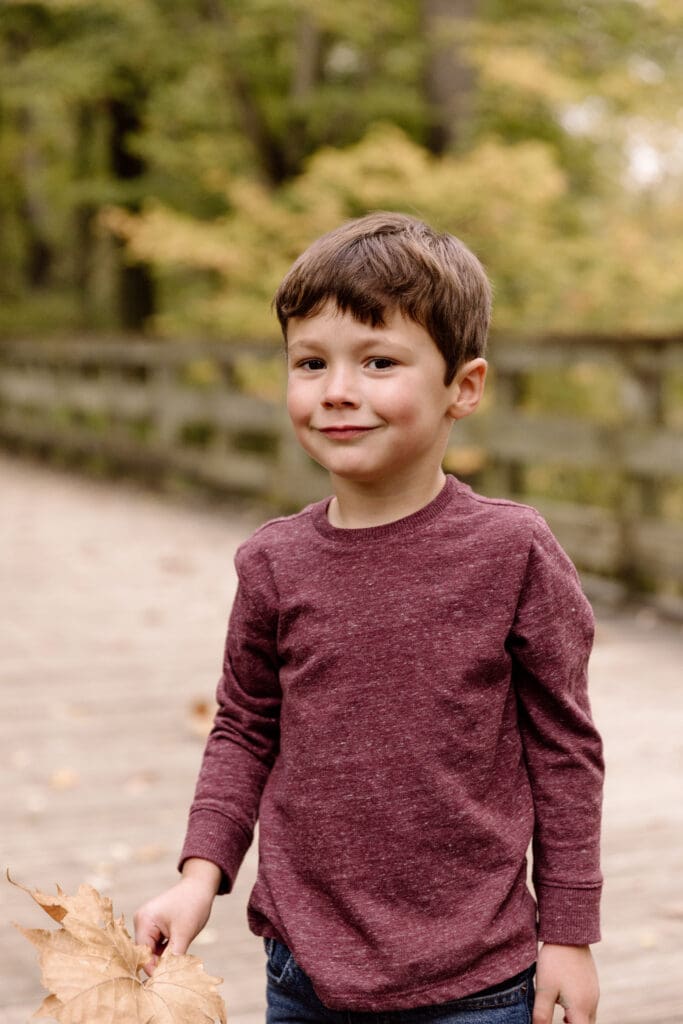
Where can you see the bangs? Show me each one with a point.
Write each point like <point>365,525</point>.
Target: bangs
<point>359,279</point>
<point>375,265</point>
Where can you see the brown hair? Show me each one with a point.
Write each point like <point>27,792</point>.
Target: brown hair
<point>386,261</point>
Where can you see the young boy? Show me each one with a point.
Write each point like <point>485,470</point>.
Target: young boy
<point>403,703</point>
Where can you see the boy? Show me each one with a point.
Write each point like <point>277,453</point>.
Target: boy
<point>403,703</point>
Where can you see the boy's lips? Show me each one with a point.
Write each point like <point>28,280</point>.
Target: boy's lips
<point>344,430</point>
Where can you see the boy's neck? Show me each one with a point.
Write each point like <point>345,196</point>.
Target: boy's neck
<point>357,505</point>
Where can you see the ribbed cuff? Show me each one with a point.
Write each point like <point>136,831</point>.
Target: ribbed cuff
<point>215,837</point>
<point>568,917</point>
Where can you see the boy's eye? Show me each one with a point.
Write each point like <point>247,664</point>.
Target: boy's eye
<point>312,364</point>
<point>381,363</point>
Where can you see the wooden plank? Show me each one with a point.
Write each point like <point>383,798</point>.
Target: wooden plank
<point>659,548</point>
<point>48,391</point>
<point>89,563</point>
<point>527,357</point>
<point>621,342</point>
<point>525,437</point>
<point>651,452</point>
<point>232,471</point>
<point>229,410</point>
<point>590,535</point>
<point>92,376</point>
<point>111,396</point>
<point>117,351</point>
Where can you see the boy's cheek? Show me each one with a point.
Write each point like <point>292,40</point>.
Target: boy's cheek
<point>297,408</point>
<point>299,415</point>
<point>299,427</point>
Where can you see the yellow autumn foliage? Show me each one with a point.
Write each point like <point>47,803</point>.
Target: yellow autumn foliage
<point>551,266</point>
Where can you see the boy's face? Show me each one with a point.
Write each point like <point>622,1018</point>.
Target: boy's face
<point>369,403</point>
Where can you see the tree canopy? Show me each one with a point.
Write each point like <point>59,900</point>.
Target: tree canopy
<point>165,161</point>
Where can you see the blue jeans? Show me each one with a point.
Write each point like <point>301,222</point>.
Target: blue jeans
<point>292,1000</point>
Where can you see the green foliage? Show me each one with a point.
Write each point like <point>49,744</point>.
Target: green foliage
<point>259,124</point>
<point>594,487</point>
<point>591,390</point>
<point>554,263</point>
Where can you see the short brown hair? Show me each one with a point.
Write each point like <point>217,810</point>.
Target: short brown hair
<point>386,261</point>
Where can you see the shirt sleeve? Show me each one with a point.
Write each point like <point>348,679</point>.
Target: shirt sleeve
<point>243,743</point>
<point>550,643</point>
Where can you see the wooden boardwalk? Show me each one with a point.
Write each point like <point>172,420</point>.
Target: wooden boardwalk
<point>114,604</point>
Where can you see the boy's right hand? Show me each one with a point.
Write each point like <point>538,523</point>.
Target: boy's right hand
<point>173,919</point>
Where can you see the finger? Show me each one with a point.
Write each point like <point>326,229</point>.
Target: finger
<point>178,943</point>
<point>575,1015</point>
<point>150,966</point>
<point>150,934</point>
<point>146,931</point>
<point>544,1006</point>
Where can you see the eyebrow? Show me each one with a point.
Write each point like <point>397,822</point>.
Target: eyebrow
<point>365,342</point>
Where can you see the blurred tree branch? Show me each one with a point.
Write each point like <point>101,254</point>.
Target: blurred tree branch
<point>449,76</point>
<point>546,134</point>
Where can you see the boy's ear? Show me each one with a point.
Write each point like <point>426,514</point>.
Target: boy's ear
<point>467,388</point>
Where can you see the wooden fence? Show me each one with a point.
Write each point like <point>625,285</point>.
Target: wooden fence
<point>609,477</point>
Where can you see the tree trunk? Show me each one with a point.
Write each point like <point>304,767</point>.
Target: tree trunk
<point>305,77</point>
<point>7,278</point>
<point>84,214</point>
<point>136,284</point>
<point>268,149</point>
<point>39,253</point>
<point>449,79</point>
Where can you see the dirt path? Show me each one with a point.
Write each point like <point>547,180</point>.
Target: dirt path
<point>114,604</point>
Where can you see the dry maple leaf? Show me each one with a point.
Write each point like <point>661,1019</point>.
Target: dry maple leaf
<point>90,966</point>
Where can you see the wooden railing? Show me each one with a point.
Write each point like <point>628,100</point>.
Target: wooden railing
<point>609,477</point>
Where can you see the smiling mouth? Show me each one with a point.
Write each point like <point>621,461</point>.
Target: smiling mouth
<point>345,432</point>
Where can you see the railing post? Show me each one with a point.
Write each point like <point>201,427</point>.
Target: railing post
<point>643,407</point>
<point>162,387</point>
<point>297,481</point>
<point>505,479</point>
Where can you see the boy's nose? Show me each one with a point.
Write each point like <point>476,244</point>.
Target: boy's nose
<point>340,390</point>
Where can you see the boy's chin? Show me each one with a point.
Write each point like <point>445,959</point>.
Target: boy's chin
<point>345,470</point>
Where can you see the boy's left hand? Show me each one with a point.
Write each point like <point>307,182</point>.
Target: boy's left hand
<point>566,975</point>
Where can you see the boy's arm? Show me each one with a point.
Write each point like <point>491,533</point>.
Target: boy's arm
<point>550,644</point>
<point>238,756</point>
<point>243,743</point>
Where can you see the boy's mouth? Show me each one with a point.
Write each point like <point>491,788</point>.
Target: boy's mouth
<point>344,432</point>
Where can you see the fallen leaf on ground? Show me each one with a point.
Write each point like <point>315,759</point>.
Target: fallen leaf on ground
<point>674,910</point>
<point>176,564</point>
<point>149,854</point>
<point>90,967</point>
<point>64,778</point>
<point>35,801</point>
<point>200,717</point>
<point>140,782</point>
<point>76,711</point>
<point>120,852</point>
<point>20,759</point>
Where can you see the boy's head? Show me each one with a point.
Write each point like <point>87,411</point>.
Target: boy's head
<point>383,262</point>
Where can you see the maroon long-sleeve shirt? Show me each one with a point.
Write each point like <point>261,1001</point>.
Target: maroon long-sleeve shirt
<point>404,707</point>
